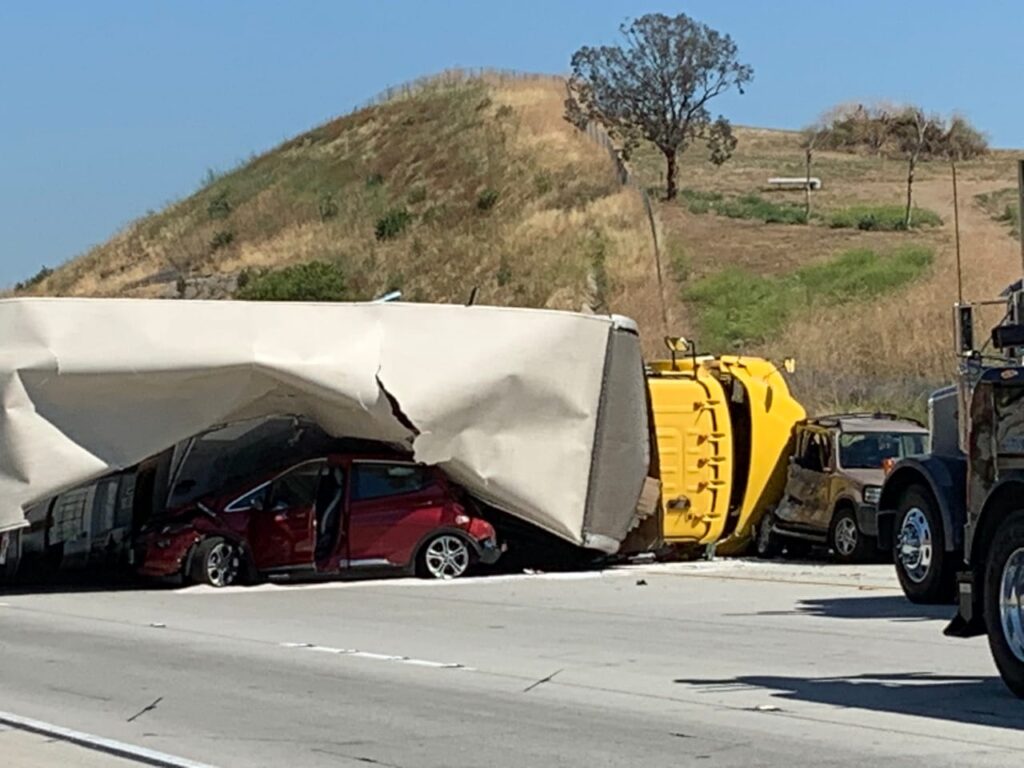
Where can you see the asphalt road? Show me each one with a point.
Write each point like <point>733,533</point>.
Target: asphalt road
<point>716,664</point>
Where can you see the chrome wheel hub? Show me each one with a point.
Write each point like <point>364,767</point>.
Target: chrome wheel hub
<point>222,565</point>
<point>1011,602</point>
<point>846,537</point>
<point>447,557</point>
<point>914,546</point>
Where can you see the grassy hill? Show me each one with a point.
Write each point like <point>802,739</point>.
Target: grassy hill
<point>462,183</point>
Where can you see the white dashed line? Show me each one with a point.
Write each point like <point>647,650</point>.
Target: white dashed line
<point>376,656</point>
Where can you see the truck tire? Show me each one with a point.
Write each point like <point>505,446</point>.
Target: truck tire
<point>927,573</point>
<point>1004,601</point>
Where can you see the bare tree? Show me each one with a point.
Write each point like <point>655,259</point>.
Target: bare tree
<point>813,136</point>
<point>657,85</point>
<point>911,130</point>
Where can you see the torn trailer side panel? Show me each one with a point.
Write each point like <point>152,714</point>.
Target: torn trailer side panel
<point>540,413</point>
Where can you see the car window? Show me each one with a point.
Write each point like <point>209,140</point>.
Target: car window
<point>298,487</point>
<point>868,450</point>
<point>245,503</point>
<point>374,481</point>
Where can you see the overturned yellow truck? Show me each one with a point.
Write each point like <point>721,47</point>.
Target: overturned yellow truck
<point>724,427</point>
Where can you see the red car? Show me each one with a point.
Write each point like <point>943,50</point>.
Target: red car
<point>325,515</point>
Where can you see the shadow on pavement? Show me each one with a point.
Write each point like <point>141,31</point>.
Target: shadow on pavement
<point>975,700</point>
<point>888,607</point>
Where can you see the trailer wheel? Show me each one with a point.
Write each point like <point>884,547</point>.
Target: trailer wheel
<point>1004,601</point>
<point>925,570</point>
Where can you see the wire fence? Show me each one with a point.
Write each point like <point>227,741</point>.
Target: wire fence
<point>597,134</point>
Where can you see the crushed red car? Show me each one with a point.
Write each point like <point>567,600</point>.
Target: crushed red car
<point>332,514</point>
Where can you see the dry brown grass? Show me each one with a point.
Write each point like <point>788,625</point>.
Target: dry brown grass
<point>889,352</point>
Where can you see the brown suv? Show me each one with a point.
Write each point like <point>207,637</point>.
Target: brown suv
<point>834,480</point>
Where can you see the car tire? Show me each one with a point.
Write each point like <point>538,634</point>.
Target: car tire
<point>217,562</point>
<point>845,538</point>
<point>927,573</point>
<point>444,556</point>
<point>1003,607</point>
<point>766,542</point>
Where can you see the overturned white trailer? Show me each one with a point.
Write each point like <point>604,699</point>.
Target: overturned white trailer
<point>542,414</point>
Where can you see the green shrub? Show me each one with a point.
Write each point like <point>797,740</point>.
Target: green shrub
<point>543,183</point>
<point>37,278</point>
<point>737,308</point>
<point>219,206</point>
<point>881,218</point>
<point>222,239</point>
<point>314,281</point>
<point>745,207</point>
<point>392,223</point>
<point>757,208</point>
<point>487,199</point>
<point>327,207</point>
<point>504,274</point>
<point>374,180</point>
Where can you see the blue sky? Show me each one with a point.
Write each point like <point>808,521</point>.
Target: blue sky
<point>111,108</point>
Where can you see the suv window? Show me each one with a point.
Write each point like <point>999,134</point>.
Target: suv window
<point>816,451</point>
<point>868,450</point>
<point>375,481</point>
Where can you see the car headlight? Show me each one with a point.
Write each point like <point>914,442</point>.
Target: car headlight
<point>872,494</point>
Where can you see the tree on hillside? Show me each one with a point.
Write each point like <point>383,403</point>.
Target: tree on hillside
<point>912,132</point>
<point>813,136</point>
<point>656,85</point>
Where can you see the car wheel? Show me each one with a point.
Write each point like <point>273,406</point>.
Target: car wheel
<point>217,562</point>
<point>925,570</point>
<point>1004,601</point>
<point>847,541</point>
<point>445,556</point>
<point>766,543</point>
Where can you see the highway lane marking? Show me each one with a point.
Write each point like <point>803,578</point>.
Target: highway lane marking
<point>357,654</point>
<point>100,743</point>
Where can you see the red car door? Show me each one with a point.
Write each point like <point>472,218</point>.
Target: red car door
<point>281,526</point>
<point>392,506</point>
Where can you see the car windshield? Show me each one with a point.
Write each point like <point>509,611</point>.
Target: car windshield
<point>867,450</point>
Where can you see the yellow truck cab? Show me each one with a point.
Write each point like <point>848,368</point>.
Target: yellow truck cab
<point>724,429</point>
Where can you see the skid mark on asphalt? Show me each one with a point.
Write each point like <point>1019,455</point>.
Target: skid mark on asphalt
<point>369,655</point>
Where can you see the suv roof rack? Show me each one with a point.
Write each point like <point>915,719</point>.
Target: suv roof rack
<point>832,419</point>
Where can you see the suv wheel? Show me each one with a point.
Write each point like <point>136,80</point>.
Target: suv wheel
<point>925,569</point>
<point>848,543</point>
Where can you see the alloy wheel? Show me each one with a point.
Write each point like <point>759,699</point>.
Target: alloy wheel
<point>447,557</point>
<point>846,536</point>
<point>223,564</point>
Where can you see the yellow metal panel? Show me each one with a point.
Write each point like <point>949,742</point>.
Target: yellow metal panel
<point>773,414</point>
<point>695,451</point>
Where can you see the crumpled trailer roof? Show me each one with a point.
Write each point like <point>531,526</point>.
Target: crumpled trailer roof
<point>541,413</point>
